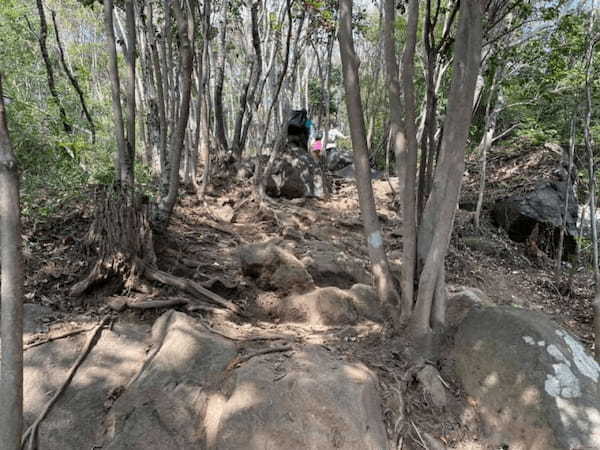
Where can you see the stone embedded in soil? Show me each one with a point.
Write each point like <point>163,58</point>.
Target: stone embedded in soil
<point>274,268</point>
<point>328,306</point>
<point>331,266</point>
<point>536,386</point>
<point>191,394</point>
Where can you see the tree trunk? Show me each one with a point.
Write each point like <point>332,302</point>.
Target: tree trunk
<point>203,95</point>
<point>131,100</point>
<point>166,203</point>
<point>115,85</point>
<point>379,265</point>
<point>43,37</point>
<point>218,92</point>
<point>11,294</point>
<point>401,149</point>
<point>438,217</point>
<point>589,145</point>
<point>73,80</point>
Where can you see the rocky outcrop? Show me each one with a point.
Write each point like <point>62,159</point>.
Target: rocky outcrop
<point>331,266</point>
<point>273,267</point>
<point>538,214</point>
<point>295,174</point>
<point>198,391</point>
<point>536,386</point>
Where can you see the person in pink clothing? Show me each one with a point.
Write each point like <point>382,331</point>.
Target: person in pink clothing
<point>317,147</point>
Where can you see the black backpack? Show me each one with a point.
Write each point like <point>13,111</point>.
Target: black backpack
<point>297,121</point>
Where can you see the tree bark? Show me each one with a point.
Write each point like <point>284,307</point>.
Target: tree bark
<point>399,139</point>
<point>220,133</point>
<point>43,38</point>
<point>115,85</point>
<point>379,265</point>
<point>438,217</point>
<point>73,80</point>
<point>131,100</point>
<point>166,203</point>
<point>11,294</point>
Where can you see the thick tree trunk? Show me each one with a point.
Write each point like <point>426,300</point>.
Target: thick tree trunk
<point>379,265</point>
<point>11,294</point>
<point>73,80</point>
<point>43,38</point>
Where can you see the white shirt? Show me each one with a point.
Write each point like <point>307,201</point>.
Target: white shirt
<point>332,135</point>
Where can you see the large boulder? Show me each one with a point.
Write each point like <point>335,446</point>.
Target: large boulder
<point>536,386</point>
<point>295,174</point>
<point>541,209</point>
<point>76,419</point>
<point>273,267</point>
<point>197,391</point>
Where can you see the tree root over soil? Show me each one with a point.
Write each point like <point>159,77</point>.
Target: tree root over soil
<point>121,236</point>
<point>31,433</point>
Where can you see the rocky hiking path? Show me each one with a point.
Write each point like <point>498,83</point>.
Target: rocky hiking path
<point>297,356</point>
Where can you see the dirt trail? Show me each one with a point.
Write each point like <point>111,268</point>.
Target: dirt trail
<point>202,244</point>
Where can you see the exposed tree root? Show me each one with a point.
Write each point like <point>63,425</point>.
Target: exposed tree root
<point>192,288</point>
<point>55,338</point>
<point>121,236</point>
<point>31,433</point>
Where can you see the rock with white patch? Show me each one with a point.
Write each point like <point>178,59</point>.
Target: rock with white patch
<point>536,386</point>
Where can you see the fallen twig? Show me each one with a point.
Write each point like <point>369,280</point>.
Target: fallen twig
<point>191,287</point>
<point>237,361</point>
<point>55,338</point>
<point>31,432</point>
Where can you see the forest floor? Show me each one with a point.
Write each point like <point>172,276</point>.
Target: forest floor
<point>202,244</point>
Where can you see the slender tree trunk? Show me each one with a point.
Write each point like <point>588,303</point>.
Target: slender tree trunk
<point>166,204</point>
<point>129,177</point>
<point>43,38</point>
<point>379,264</point>
<point>115,85</point>
<point>73,80</point>
<point>11,294</point>
<point>218,93</point>
<point>589,144</point>
<point>561,238</point>
<point>260,179</point>
<point>438,217</point>
<point>203,95</point>
<point>405,163</point>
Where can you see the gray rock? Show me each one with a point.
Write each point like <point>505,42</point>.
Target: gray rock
<point>306,401</point>
<point>330,266</point>
<point>536,386</point>
<point>191,394</point>
<point>76,420</point>
<point>295,174</point>
<point>274,267</point>
<point>162,408</point>
<point>520,213</point>
<point>338,158</point>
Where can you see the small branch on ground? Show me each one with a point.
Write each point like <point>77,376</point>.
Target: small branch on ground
<point>239,360</point>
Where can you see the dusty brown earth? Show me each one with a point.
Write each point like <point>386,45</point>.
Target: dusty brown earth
<point>202,244</point>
